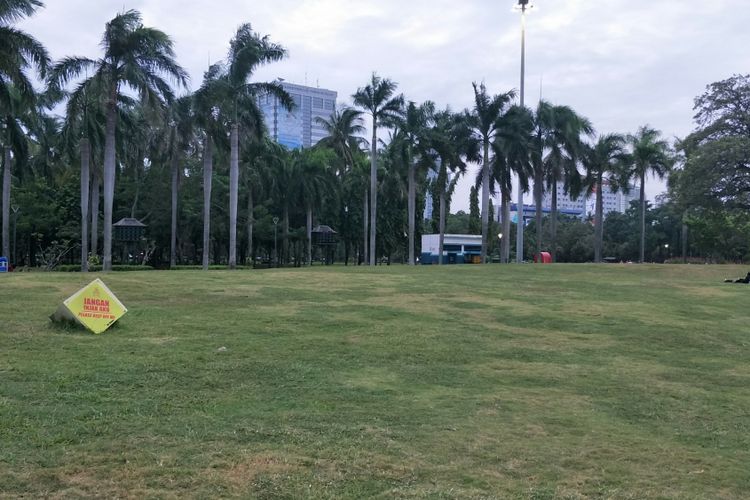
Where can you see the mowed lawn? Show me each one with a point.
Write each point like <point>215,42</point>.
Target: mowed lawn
<point>564,381</point>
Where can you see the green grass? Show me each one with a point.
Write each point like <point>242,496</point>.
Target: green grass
<point>563,381</point>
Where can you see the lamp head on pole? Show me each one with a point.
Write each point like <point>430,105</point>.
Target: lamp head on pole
<point>523,5</point>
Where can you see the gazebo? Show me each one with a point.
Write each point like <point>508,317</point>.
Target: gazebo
<point>129,232</point>
<point>326,238</point>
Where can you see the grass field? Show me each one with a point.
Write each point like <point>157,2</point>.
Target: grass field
<point>565,381</point>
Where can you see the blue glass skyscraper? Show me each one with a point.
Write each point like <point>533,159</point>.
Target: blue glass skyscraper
<point>298,128</point>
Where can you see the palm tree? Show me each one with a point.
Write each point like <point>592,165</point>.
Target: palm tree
<point>314,183</point>
<point>606,157</point>
<point>82,128</point>
<point>344,128</point>
<point>135,57</point>
<point>247,52</point>
<point>512,155</point>
<point>377,98</point>
<point>210,120</point>
<point>413,125</point>
<point>18,52</point>
<point>564,146</point>
<point>179,138</point>
<point>454,145</point>
<point>261,159</point>
<point>650,154</point>
<point>483,118</point>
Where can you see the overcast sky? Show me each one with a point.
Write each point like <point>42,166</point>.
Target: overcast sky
<point>621,63</point>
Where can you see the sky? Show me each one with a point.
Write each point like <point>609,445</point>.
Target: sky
<point>620,63</point>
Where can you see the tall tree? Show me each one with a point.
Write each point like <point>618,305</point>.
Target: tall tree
<point>377,98</point>
<point>247,52</point>
<point>484,119</point>
<point>605,158</point>
<point>135,57</point>
<point>650,154</point>
<point>414,126</point>
<point>180,136</point>
<point>454,145</point>
<point>511,148</point>
<point>344,127</point>
<point>18,53</point>
<point>564,146</point>
<point>213,125</point>
<point>315,183</point>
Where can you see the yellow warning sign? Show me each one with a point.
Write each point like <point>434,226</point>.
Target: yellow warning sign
<point>94,306</point>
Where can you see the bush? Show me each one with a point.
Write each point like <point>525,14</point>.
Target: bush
<point>212,267</point>
<point>71,268</point>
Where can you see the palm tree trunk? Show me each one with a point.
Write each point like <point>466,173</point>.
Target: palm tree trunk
<point>309,236</point>
<point>137,193</point>
<point>643,217</point>
<point>598,222</point>
<point>505,241</point>
<point>538,211</point>
<point>6,204</point>
<point>365,215</point>
<point>485,197</point>
<point>373,190</point>
<point>85,157</point>
<point>441,228</point>
<point>109,181</point>
<point>250,223</point>
<point>412,208</point>
<point>95,211</point>
<point>175,187</point>
<point>553,223</point>
<point>208,167</point>
<point>684,238</point>
<point>285,244</point>
<point>234,176</point>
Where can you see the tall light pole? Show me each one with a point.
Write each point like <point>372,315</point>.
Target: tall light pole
<point>523,6</point>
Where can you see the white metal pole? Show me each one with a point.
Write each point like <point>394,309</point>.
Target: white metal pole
<point>519,218</point>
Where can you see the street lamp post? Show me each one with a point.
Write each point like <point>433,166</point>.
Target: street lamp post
<point>14,257</point>
<point>275,253</point>
<point>523,6</point>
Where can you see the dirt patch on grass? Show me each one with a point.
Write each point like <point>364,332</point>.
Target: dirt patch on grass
<point>243,473</point>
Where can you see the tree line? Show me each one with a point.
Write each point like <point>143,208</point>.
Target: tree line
<point>201,171</point>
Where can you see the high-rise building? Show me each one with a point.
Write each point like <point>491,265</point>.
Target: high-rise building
<point>298,128</point>
<point>611,201</point>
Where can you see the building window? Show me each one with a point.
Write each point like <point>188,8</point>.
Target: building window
<point>318,102</point>
<point>329,104</point>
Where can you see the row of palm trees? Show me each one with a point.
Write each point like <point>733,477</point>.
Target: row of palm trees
<point>549,146</point>
<point>132,86</point>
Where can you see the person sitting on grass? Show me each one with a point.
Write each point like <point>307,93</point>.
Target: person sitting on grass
<point>745,280</point>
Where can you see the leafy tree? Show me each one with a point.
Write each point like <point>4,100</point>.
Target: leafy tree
<point>377,98</point>
<point>475,224</point>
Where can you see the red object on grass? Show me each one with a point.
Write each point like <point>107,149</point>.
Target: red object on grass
<point>543,258</point>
